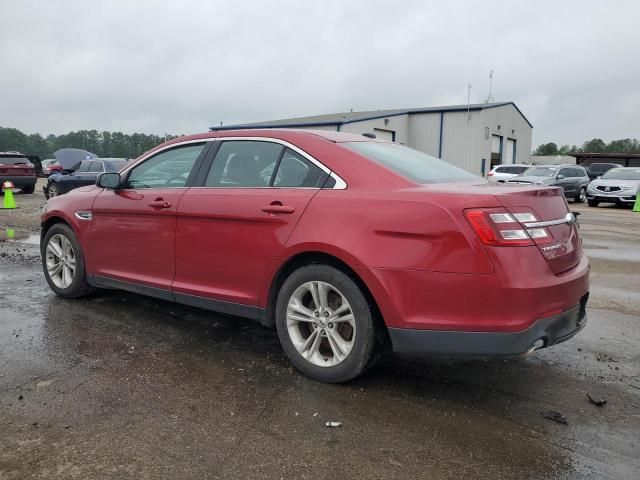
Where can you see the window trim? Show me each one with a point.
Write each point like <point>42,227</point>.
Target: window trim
<point>215,142</point>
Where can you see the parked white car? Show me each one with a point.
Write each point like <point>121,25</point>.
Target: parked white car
<point>502,173</point>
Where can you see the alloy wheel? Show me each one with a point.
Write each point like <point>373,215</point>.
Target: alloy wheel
<point>60,261</point>
<point>53,191</point>
<point>321,324</point>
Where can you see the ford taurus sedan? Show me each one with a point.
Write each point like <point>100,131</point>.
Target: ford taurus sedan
<point>345,244</point>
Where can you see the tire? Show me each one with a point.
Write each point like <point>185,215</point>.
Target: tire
<point>593,203</point>
<point>52,190</point>
<point>29,189</point>
<point>294,335</point>
<point>58,235</point>
<point>581,196</point>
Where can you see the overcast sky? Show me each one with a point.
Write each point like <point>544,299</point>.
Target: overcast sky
<point>180,66</point>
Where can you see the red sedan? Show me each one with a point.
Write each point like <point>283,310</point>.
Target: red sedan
<point>342,242</point>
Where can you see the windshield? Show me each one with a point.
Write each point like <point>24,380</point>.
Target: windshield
<point>412,164</point>
<point>115,165</point>
<point>623,174</point>
<point>13,160</point>
<point>540,172</point>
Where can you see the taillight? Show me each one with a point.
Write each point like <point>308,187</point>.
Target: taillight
<point>498,227</point>
<point>490,174</point>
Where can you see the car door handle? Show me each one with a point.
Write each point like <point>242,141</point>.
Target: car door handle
<point>278,207</point>
<point>159,203</point>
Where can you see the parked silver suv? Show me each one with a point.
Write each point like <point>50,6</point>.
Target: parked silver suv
<point>572,178</point>
<point>618,185</point>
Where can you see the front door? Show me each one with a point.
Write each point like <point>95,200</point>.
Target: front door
<point>132,235</point>
<point>231,227</point>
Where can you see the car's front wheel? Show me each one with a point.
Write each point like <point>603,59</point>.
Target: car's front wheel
<point>63,262</point>
<point>593,203</point>
<point>325,324</point>
<point>52,190</point>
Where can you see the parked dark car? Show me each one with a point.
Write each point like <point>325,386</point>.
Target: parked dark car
<point>17,169</point>
<point>85,174</point>
<point>598,169</point>
<point>572,178</point>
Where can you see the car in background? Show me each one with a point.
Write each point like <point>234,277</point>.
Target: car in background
<point>595,170</point>
<point>618,185</point>
<point>572,178</point>
<point>17,169</point>
<point>50,166</point>
<point>351,245</point>
<point>502,173</point>
<point>85,174</point>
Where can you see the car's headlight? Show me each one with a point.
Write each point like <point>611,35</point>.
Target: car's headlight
<point>629,187</point>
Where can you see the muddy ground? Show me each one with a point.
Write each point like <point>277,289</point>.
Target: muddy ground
<point>122,386</point>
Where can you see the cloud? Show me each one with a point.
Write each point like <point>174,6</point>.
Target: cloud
<point>179,67</point>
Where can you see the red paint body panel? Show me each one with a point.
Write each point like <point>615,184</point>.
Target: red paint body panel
<point>410,244</point>
<point>225,241</point>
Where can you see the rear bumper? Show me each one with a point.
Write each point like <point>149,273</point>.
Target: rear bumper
<point>21,181</point>
<point>541,334</point>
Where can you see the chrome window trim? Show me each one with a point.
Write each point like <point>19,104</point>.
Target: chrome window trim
<point>340,183</point>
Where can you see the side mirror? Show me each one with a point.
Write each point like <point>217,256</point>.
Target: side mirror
<point>560,177</point>
<point>110,180</point>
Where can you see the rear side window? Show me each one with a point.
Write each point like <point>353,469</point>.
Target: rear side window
<point>296,171</point>
<point>411,164</point>
<point>244,164</point>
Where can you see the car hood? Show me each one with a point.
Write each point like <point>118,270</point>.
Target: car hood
<point>611,182</point>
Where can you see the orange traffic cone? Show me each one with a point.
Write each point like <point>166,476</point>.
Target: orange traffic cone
<point>9,201</point>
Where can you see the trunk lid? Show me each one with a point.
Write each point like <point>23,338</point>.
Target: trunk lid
<point>16,166</point>
<point>548,204</point>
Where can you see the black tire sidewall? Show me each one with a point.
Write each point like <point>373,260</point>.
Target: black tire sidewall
<point>363,347</point>
<point>79,286</point>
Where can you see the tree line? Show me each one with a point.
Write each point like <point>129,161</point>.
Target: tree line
<point>596,145</point>
<point>103,144</point>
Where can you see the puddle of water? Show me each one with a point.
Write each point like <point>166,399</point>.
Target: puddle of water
<point>8,234</point>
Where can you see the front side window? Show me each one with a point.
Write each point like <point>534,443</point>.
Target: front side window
<point>411,164</point>
<point>567,172</point>
<point>168,169</point>
<point>84,166</point>
<point>96,167</point>
<point>244,164</point>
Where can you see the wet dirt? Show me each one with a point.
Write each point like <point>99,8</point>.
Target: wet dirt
<point>123,386</point>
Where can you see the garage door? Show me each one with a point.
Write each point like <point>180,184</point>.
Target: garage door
<point>511,151</point>
<point>388,135</point>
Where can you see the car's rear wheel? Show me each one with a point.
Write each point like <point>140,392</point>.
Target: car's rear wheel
<point>29,189</point>
<point>325,324</point>
<point>63,262</point>
<point>52,188</point>
<point>593,203</point>
<point>581,196</point>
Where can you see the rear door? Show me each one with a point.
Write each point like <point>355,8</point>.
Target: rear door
<point>230,227</point>
<point>132,235</point>
<point>568,183</point>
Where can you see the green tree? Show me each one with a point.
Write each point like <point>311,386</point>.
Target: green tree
<point>546,149</point>
<point>595,145</point>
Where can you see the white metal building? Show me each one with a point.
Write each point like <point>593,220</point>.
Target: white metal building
<point>474,137</point>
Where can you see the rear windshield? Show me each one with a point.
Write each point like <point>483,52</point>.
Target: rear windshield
<point>540,172</point>
<point>13,160</point>
<point>412,164</point>
<point>623,174</point>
